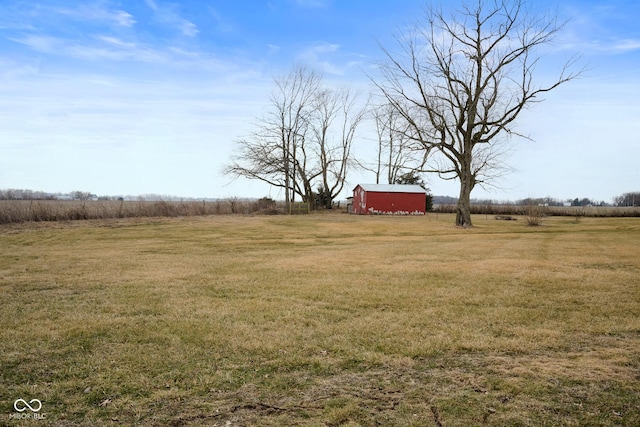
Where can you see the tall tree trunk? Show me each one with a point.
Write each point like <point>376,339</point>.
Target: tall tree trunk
<point>463,210</point>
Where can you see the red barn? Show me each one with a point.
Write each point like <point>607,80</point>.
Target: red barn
<point>389,199</point>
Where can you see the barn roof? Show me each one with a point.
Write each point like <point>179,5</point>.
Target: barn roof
<point>392,188</point>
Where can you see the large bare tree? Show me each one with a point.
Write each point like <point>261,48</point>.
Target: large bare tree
<point>303,141</point>
<point>397,154</point>
<point>275,152</point>
<point>462,79</point>
<point>336,120</point>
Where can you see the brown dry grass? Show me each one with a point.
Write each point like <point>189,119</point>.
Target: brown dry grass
<point>322,320</point>
<point>19,211</point>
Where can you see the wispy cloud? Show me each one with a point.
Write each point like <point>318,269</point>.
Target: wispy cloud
<point>109,48</point>
<point>600,46</point>
<point>97,12</point>
<point>319,55</point>
<point>102,47</point>
<point>116,42</point>
<point>11,69</point>
<point>38,17</point>
<point>97,31</point>
<point>273,49</point>
<point>168,14</point>
<point>626,45</point>
<point>222,25</point>
<point>189,28</point>
<point>43,44</point>
<point>600,30</point>
<point>152,4</point>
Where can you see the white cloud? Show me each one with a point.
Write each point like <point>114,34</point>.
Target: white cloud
<point>102,47</point>
<point>273,49</point>
<point>124,19</point>
<point>599,46</point>
<point>115,41</point>
<point>626,45</point>
<point>167,14</point>
<point>98,12</point>
<point>322,48</point>
<point>109,48</point>
<point>152,4</point>
<point>600,29</point>
<point>318,55</point>
<point>189,29</point>
<point>184,53</point>
<point>43,44</point>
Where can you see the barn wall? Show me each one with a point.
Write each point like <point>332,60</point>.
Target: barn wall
<point>380,202</point>
<point>359,200</point>
<point>393,203</point>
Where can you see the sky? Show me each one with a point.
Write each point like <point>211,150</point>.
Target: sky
<point>149,96</point>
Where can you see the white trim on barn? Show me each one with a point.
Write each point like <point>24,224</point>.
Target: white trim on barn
<point>393,188</point>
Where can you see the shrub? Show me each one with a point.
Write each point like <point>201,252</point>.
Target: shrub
<point>533,214</point>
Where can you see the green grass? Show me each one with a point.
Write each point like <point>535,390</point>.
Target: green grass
<point>322,320</point>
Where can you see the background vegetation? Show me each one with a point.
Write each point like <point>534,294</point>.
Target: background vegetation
<point>19,211</point>
<point>334,320</point>
<point>16,211</point>
<point>575,211</point>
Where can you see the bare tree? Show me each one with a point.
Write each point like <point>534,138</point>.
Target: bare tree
<point>461,81</point>
<point>276,151</point>
<point>628,199</point>
<point>304,140</point>
<point>397,154</point>
<point>336,121</point>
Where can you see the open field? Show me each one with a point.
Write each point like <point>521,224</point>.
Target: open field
<point>321,320</point>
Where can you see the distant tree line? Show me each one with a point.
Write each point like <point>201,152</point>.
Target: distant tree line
<point>320,197</point>
<point>549,201</point>
<point>18,194</point>
<point>22,194</point>
<point>25,194</point>
<point>628,199</point>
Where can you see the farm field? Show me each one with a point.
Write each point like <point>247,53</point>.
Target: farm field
<point>320,320</point>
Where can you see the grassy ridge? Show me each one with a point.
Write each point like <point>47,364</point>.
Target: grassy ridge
<point>322,320</point>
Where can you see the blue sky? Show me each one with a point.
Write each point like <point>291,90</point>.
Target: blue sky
<point>147,96</point>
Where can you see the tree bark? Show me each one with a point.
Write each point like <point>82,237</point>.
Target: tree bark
<point>463,210</point>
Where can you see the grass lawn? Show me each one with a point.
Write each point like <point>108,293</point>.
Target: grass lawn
<point>321,320</point>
